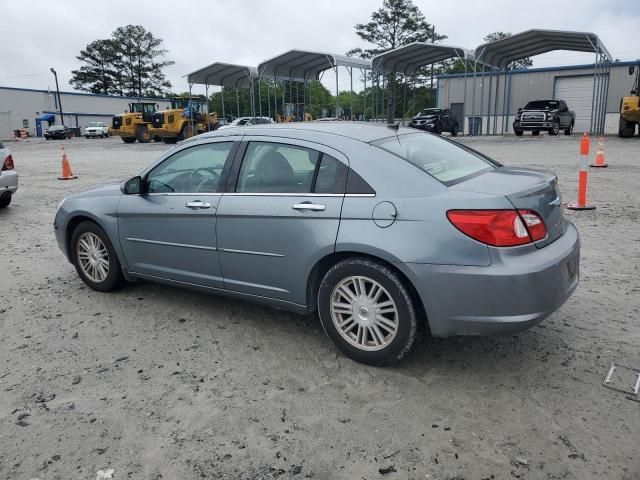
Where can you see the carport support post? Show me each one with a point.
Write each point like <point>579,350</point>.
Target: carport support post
<point>593,96</point>
<point>222,99</point>
<point>473,97</point>
<point>364,97</point>
<point>488,130</point>
<point>283,112</point>
<point>259,98</point>
<point>237,103</point>
<point>464,95</point>
<point>337,92</point>
<point>504,102</point>
<point>495,103</point>
<point>350,70</point>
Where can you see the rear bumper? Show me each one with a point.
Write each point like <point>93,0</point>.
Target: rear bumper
<point>521,287</point>
<point>8,182</point>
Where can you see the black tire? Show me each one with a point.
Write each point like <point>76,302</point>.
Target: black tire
<point>87,137</point>
<point>569,131</point>
<point>626,129</point>
<point>186,132</point>
<point>518,132</point>
<point>398,291</point>
<point>5,200</point>
<point>142,134</point>
<point>114,278</point>
<point>129,139</point>
<point>156,138</point>
<point>454,130</point>
<point>555,130</point>
<point>535,133</point>
<point>437,129</point>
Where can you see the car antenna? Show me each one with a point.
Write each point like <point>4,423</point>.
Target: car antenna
<point>396,126</point>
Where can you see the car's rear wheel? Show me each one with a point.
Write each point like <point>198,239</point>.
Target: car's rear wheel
<point>555,130</point>
<point>518,132</point>
<point>367,310</point>
<point>94,258</point>
<point>454,130</point>
<point>535,133</point>
<point>5,200</point>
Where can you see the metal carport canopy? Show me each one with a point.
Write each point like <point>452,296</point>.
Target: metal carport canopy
<point>535,42</point>
<point>224,75</point>
<point>301,65</point>
<point>410,58</point>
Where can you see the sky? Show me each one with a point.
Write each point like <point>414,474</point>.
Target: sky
<point>39,34</point>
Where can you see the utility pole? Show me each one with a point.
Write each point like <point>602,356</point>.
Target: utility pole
<point>58,93</point>
<point>433,40</point>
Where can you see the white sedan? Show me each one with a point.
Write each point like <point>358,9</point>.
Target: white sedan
<point>8,177</point>
<point>247,121</point>
<point>96,129</point>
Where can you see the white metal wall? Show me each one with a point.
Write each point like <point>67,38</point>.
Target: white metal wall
<point>578,93</point>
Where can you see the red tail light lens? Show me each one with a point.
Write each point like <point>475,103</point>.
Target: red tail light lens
<point>8,163</point>
<point>499,228</point>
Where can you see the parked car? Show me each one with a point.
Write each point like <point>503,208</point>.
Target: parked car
<point>247,121</point>
<point>549,115</point>
<point>376,229</point>
<point>8,177</point>
<point>57,132</point>
<point>96,129</point>
<point>436,120</point>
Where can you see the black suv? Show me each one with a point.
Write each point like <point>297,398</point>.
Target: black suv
<point>549,115</point>
<point>436,120</point>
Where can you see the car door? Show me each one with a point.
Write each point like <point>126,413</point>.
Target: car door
<point>169,232</point>
<point>279,216</point>
<point>565,116</point>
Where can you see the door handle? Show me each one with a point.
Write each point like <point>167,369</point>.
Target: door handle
<point>198,204</point>
<point>317,207</point>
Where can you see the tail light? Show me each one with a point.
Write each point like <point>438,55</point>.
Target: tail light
<point>499,228</point>
<point>8,163</point>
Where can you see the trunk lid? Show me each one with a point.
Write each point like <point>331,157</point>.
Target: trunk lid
<point>535,190</point>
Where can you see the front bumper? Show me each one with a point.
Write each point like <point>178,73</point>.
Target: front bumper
<point>8,182</point>
<point>94,133</point>
<point>545,125</point>
<point>427,127</point>
<point>521,287</point>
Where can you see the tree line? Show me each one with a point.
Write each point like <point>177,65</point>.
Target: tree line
<point>131,63</point>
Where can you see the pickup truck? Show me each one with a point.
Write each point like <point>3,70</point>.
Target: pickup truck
<point>549,115</point>
<point>436,120</point>
<point>96,129</point>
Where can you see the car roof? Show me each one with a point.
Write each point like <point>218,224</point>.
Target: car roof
<point>360,131</point>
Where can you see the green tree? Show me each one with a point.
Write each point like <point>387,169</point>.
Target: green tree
<point>395,24</point>
<point>97,74</point>
<point>129,63</point>
<point>522,63</point>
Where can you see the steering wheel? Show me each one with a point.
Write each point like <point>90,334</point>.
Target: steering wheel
<point>212,175</point>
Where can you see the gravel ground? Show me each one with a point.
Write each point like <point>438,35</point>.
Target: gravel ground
<point>163,383</point>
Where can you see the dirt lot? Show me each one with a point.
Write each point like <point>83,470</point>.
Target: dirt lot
<point>162,383</point>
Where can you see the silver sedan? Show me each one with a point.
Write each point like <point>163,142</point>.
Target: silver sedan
<point>8,177</point>
<point>376,229</point>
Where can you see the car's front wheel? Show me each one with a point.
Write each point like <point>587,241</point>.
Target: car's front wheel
<point>366,309</point>
<point>94,258</point>
<point>555,129</point>
<point>5,200</point>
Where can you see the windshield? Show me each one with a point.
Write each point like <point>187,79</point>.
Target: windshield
<point>95,124</point>
<point>444,160</point>
<point>56,127</point>
<point>429,111</point>
<point>542,105</point>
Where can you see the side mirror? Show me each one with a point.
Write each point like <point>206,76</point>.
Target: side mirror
<point>632,70</point>
<point>132,186</point>
<point>519,109</point>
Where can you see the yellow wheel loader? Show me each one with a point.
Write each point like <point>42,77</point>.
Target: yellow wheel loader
<point>630,108</point>
<point>135,123</point>
<point>184,119</point>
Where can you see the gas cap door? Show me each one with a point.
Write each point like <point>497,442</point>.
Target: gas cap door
<point>384,214</point>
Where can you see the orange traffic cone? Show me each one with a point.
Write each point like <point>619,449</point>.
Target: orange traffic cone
<point>600,163</point>
<point>66,168</point>
<point>581,204</point>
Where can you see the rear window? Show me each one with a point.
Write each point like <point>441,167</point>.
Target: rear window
<point>444,160</point>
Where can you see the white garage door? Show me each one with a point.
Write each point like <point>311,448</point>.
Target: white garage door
<point>577,92</point>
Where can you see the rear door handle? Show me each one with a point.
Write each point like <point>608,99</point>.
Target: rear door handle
<point>317,207</point>
<point>198,204</point>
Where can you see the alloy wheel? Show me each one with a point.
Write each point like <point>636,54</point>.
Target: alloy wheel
<point>93,257</point>
<point>364,313</point>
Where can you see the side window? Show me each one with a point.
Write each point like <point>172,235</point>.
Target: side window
<point>277,168</point>
<point>193,170</point>
<point>332,176</point>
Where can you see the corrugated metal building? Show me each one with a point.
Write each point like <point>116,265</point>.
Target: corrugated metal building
<point>21,107</point>
<point>574,84</point>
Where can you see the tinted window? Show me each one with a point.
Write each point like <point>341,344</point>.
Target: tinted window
<point>277,168</point>
<point>442,159</point>
<point>331,177</point>
<point>429,111</point>
<point>541,105</point>
<point>193,170</point>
